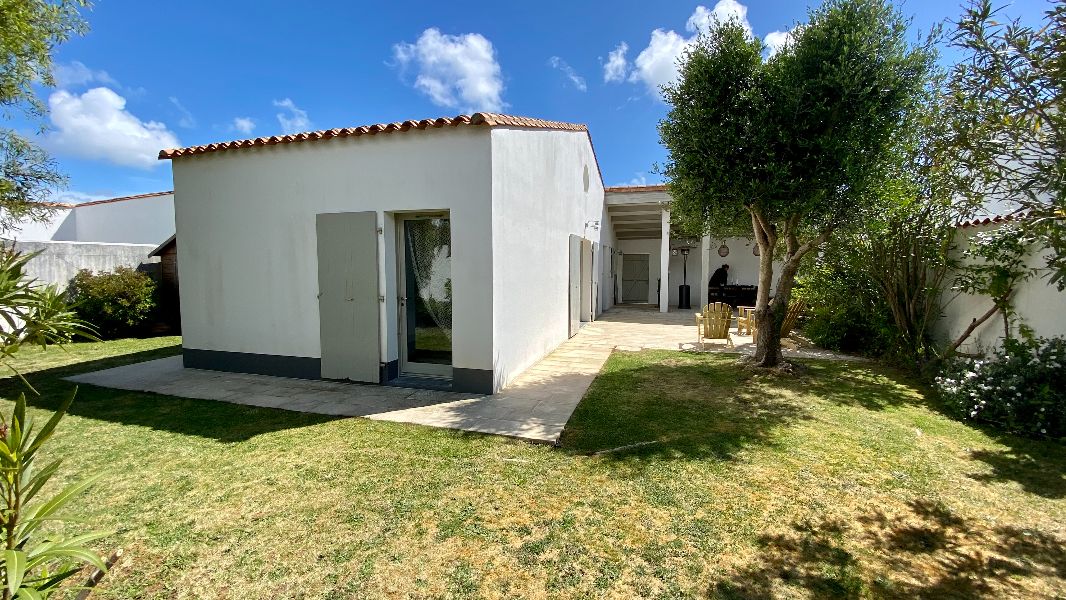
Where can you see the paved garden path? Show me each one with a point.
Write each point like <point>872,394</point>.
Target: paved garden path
<point>535,406</point>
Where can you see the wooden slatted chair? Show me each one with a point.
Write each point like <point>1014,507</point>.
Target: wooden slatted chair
<point>714,323</point>
<point>795,309</point>
<point>746,320</point>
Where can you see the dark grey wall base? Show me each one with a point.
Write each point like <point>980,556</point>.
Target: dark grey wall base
<point>389,371</point>
<point>477,381</point>
<point>300,367</point>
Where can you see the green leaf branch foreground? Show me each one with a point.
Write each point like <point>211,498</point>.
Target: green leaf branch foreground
<point>37,560</point>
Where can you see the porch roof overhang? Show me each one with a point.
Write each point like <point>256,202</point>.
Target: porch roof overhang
<point>637,212</point>
<point>636,221</point>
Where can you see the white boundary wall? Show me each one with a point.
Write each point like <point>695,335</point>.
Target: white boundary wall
<point>1038,303</point>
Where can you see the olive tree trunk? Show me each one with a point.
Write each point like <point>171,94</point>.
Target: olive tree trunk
<point>770,314</point>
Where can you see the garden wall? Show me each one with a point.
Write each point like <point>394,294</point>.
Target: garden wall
<point>1038,303</point>
<point>60,261</point>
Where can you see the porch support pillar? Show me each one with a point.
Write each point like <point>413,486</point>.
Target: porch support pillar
<point>705,269</point>
<point>664,265</point>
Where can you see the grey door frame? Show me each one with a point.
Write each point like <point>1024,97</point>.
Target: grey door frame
<point>349,309</point>
<point>406,366</point>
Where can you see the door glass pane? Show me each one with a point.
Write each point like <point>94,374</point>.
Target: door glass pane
<point>427,244</point>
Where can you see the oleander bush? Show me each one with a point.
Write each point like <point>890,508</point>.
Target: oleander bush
<point>117,304</point>
<point>1020,387</point>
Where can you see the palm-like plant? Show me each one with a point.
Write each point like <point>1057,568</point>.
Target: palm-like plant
<point>35,561</point>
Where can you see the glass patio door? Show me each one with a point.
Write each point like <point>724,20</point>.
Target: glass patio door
<point>426,301</point>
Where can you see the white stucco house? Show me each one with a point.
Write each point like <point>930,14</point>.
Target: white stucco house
<point>452,251</point>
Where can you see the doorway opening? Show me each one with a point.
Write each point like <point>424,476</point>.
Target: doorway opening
<point>425,296</point>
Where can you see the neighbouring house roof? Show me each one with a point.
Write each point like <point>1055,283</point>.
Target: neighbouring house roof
<point>636,188</point>
<point>107,200</point>
<point>478,119</point>
<point>995,219</point>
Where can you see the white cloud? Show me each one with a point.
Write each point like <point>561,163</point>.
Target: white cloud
<point>244,125</point>
<point>777,40</point>
<point>75,197</point>
<point>75,73</point>
<point>293,121</point>
<point>639,179</point>
<point>557,63</point>
<point>723,11</point>
<point>456,71</point>
<point>96,125</point>
<point>187,120</point>
<point>656,65</point>
<point>617,66</point>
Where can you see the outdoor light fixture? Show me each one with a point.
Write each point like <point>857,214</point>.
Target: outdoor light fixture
<point>593,224</point>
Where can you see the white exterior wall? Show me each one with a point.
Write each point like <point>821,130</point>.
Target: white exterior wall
<point>1039,304</point>
<point>248,251</point>
<point>135,221</point>
<point>539,198</point>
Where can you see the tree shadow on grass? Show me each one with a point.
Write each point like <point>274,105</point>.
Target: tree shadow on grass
<point>924,551</point>
<point>220,421</point>
<point>866,385</point>
<point>668,405</point>
<point>1039,466</point>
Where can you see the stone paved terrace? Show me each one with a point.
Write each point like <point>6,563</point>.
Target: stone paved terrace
<point>534,407</point>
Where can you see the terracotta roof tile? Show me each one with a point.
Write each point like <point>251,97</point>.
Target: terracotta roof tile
<point>995,219</point>
<point>486,119</point>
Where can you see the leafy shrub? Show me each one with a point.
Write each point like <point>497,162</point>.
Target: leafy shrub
<point>849,328</point>
<point>1021,388</point>
<point>117,303</point>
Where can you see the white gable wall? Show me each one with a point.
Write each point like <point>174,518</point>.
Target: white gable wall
<point>135,221</point>
<point>539,198</point>
<point>248,254</point>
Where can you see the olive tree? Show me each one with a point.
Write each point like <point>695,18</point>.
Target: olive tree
<point>787,150</point>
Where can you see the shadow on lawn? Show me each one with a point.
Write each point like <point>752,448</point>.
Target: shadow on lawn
<point>925,551</point>
<point>1039,466</point>
<point>220,421</point>
<point>682,407</point>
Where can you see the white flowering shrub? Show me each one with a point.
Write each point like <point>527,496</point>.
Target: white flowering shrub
<point>1021,388</point>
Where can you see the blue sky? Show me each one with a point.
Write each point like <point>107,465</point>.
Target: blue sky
<point>155,74</point>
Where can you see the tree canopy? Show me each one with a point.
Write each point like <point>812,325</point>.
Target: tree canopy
<point>788,149</point>
<point>29,32</point>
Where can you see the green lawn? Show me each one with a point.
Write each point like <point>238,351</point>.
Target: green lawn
<point>841,482</point>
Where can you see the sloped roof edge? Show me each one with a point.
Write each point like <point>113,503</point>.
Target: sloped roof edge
<point>478,119</point>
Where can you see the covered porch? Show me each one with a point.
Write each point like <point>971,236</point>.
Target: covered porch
<point>652,260</point>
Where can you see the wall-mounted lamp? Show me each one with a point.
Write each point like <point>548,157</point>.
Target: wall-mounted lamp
<point>593,224</point>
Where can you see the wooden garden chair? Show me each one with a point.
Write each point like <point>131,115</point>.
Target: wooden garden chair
<point>746,320</point>
<point>713,323</point>
<point>795,309</point>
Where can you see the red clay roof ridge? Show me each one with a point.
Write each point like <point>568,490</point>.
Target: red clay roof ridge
<point>479,118</point>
